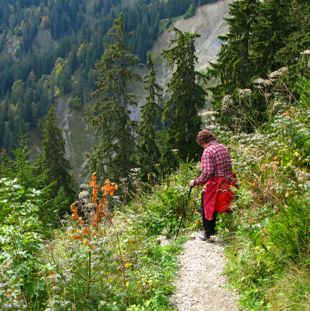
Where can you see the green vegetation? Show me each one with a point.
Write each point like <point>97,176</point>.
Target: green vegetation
<point>55,165</point>
<point>268,234</point>
<point>48,49</point>
<point>119,265</point>
<point>110,258</point>
<point>186,98</point>
<point>147,148</point>
<point>21,241</point>
<point>109,114</point>
<point>262,38</point>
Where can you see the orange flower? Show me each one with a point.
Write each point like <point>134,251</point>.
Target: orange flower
<point>77,237</point>
<point>73,206</point>
<point>93,180</point>
<point>109,188</point>
<point>93,184</point>
<point>86,230</point>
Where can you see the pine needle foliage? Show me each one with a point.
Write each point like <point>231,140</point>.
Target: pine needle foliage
<point>187,97</point>
<point>270,34</point>
<point>53,160</point>
<point>233,67</point>
<point>148,153</point>
<point>263,37</point>
<point>109,114</point>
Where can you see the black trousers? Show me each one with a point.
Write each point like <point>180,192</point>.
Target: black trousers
<point>209,225</point>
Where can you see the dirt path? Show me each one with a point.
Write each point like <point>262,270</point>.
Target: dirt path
<point>200,285</point>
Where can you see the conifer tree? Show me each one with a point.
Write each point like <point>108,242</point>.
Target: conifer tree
<point>187,97</point>
<point>147,150</point>
<point>109,115</point>
<point>234,68</point>
<point>271,32</point>
<point>53,162</point>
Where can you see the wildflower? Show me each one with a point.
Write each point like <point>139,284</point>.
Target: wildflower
<point>86,230</point>
<point>262,82</point>
<point>109,188</point>
<point>278,73</point>
<point>244,92</point>
<point>306,52</point>
<point>83,195</point>
<point>77,237</point>
<point>93,184</point>
<point>227,102</point>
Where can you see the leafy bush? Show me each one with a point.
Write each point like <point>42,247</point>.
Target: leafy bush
<point>127,269</point>
<point>170,202</point>
<point>21,240</point>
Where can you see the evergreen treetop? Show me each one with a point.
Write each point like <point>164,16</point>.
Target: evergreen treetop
<point>148,153</point>
<point>187,96</point>
<point>109,114</point>
<point>53,160</point>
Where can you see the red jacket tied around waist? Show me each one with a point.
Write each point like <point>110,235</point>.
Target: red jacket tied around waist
<point>217,179</point>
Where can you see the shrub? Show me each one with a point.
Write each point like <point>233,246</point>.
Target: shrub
<point>21,240</point>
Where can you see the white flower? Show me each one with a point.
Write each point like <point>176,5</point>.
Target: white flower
<point>244,92</point>
<point>306,52</point>
<point>262,82</point>
<point>278,73</point>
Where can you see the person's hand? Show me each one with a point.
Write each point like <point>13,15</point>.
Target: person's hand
<point>192,183</point>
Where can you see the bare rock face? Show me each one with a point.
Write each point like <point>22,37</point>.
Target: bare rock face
<point>209,23</point>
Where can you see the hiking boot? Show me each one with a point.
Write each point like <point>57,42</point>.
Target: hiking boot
<point>204,237</point>
<point>213,238</point>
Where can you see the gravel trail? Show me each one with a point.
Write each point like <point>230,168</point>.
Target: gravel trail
<point>200,285</point>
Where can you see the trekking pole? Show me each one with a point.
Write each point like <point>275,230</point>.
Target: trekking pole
<point>184,211</point>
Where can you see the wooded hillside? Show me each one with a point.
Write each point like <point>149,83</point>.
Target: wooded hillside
<point>49,48</point>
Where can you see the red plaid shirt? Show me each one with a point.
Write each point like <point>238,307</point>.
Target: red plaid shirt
<point>215,162</point>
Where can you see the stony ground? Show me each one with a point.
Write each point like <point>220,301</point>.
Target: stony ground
<point>200,285</point>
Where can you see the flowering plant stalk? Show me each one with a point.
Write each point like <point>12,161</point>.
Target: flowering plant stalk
<point>85,231</point>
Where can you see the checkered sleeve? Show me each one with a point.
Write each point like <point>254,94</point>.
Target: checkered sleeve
<point>207,168</point>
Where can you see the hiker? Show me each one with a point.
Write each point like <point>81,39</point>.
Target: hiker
<point>216,178</point>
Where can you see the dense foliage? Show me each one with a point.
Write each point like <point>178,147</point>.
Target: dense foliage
<point>268,252</point>
<point>118,263</point>
<point>48,49</point>
<point>21,241</point>
<point>186,98</point>
<point>148,153</point>
<point>263,36</point>
<point>109,114</point>
<point>54,163</point>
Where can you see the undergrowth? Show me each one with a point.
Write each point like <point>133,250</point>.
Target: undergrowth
<point>100,263</point>
<point>120,263</point>
<point>268,233</point>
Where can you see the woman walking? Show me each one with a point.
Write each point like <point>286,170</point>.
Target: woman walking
<point>216,178</point>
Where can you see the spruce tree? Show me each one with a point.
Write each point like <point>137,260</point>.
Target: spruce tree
<point>233,68</point>
<point>53,163</point>
<point>282,32</point>
<point>109,115</point>
<point>271,33</point>
<point>187,97</point>
<point>147,150</point>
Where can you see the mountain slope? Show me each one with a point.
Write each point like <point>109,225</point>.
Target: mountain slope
<point>209,23</point>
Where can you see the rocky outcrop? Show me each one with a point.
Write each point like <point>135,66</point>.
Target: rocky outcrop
<point>209,23</point>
